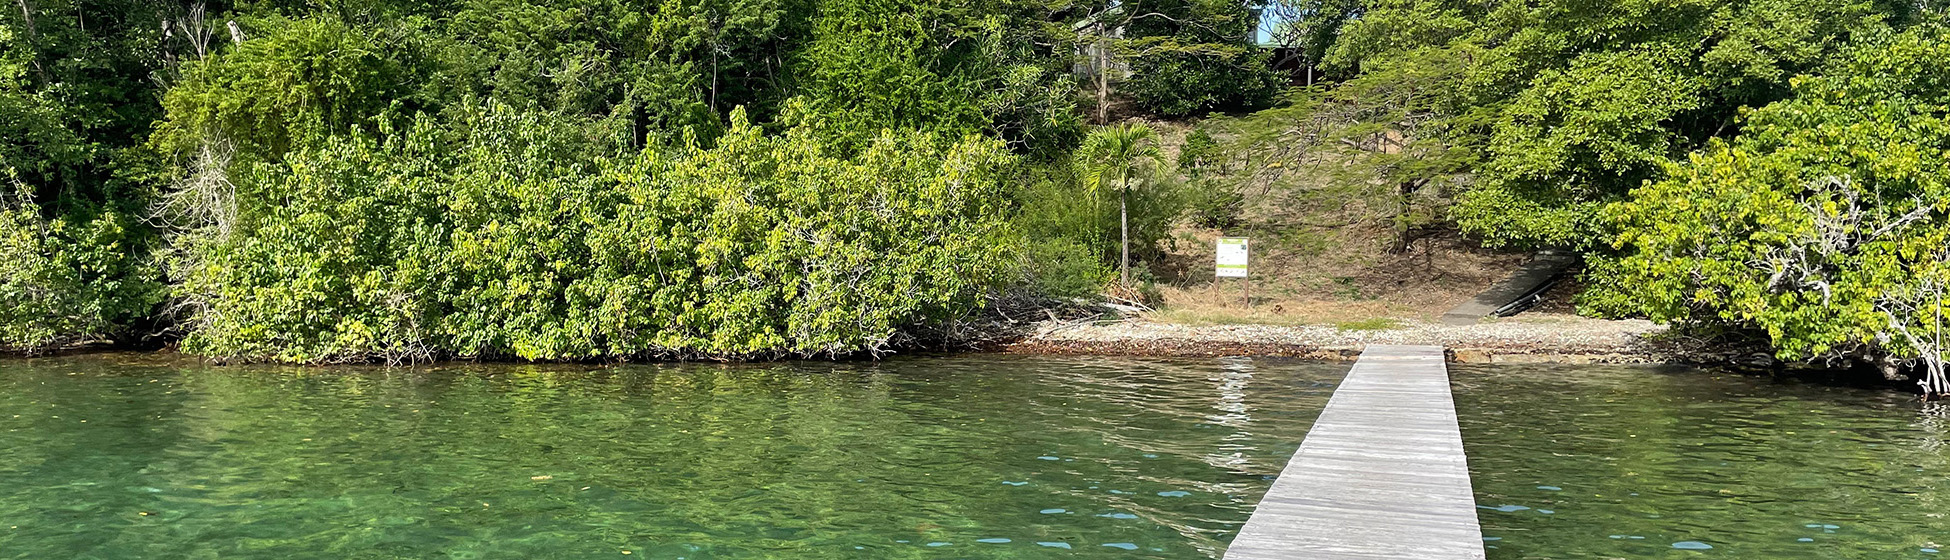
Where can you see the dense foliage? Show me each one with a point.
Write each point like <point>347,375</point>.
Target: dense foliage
<point>1189,57</point>
<point>74,102</point>
<point>585,179</point>
<point>1826,223</point>
<point>64,281</point>
<point>550,179</point>
<point>1571,104</point>
<point>1073,234</point>
<point>513,238</point>
<point>948,67</point>
<point>1769,166</point>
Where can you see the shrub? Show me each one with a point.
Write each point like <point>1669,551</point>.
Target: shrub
<point>69,281</point>
<point>1824,225</point>
<point>1179,84</point>
<point>533,240</point>
<point>1070,232</point>
<point>1213,203</point>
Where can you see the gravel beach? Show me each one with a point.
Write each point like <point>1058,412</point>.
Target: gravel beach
<point>1528,338</point>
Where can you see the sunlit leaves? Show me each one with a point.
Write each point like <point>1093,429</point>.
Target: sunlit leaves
<point>527,240</point>
<point>1573,103</point>
<point>1822,225</point>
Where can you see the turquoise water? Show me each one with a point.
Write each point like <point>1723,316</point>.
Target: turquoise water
<point>134,456</point>
<point>1665,462</point>
<point>137,456</point>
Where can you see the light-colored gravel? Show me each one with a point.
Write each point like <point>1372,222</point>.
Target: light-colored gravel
<point>1541,337</point>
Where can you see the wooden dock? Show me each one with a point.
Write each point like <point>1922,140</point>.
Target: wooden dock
<point>1380,475</point>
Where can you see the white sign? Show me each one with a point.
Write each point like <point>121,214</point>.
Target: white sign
<point>1232,257</point>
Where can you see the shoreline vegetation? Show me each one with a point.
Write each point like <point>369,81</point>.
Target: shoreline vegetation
<point>592,180</point>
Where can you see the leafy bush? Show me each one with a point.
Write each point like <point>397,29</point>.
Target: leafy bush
<point>1155,210</point>
<point>1569,105</point>
<point>948,68</point>
<point>1064,267</point>
<point>1180,84</point>
<point>512,236</point>
<point>74,261</point>
<point>1213,203</point>
<point>70,281</point>
<point>303,77</point>
<point>1069,234</point>
<point>1189,57</point>
<point>1200,152</point>
<point>1826,224</point>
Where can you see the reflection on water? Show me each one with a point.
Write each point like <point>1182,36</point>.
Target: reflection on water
<point>122,456</point>
<point>1645,462</point>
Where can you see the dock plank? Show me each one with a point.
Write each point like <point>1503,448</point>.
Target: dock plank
<point>1382,473</point>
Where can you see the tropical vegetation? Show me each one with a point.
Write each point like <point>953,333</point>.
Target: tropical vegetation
<point>1740,166</point>
<point>603,179</point>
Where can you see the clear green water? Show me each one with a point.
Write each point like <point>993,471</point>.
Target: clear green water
<point>125,456</point>
<point>132,456</point>
<point>1643,462</point>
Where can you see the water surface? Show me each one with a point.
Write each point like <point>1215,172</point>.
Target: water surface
<point>133,456</point>
<point>1667,462</point>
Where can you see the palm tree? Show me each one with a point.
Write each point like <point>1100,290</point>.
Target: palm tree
<point>1124,156</point>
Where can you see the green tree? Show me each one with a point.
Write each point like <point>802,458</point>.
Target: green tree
<point>1824,225</point>
<point>998,68</point>
<point>1571,104</point>
<point>1122,158</point>
<point>1188,56</point>
<point>509,236</point>
<point>75,100</point>
<point>297,80</point>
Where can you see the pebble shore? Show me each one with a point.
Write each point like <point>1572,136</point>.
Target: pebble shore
<point>1554,338</point>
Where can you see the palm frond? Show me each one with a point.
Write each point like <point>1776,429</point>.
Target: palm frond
<point>1119,151</point>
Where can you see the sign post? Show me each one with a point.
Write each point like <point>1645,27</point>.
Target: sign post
<point>1232,257</point>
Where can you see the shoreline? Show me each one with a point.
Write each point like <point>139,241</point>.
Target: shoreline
<point>1530,338</point>
<point>1545,338</point>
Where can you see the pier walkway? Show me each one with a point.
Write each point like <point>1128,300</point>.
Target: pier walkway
<point>1381,474</point>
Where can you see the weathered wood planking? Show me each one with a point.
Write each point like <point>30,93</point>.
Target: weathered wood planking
<point>1380,475</point>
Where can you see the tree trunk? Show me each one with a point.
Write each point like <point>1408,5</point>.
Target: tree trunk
<point>717,34</point>
<point>1103,76</point>
<point>34,39</point>
<point>27,14</point>
<point>1124,224</point>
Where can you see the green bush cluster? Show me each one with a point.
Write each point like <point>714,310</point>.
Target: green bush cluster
<point>74,247</point>
<point>1066,231</point>
<point>1190,57</point>
<point>1069,232</point>
<point>547,179</point>
<point>509,236</point>
<point>1826,224</point>
<point>64,282</point>
<point>1180,84</point>
<point>1564,106</point>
